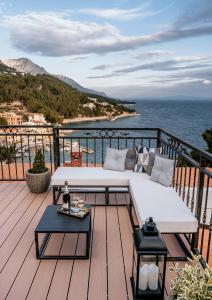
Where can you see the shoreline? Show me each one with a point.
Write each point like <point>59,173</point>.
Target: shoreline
<point>101,118</point>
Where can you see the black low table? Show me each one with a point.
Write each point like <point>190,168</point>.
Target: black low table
<point>52,222</point>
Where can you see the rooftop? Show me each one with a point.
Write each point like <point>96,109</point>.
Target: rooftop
<point>106,274</point>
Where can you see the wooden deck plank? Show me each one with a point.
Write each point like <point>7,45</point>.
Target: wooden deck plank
<point>80,275</point>
<point>7,198</point>
<point>4,186</point>
<point>117,288</point>
<point>17,252</point>
<point>98,270</point>
<point>22,282</point>
<point>13,206</point>
<point>20,229</point>
<point>127,245</point>
<point>62,275</point>
<point>42,280</point>
<point>15,217</point>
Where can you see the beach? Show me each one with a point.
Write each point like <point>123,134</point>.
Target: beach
<point>101,118</point>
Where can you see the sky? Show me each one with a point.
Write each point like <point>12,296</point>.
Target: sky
<point>128,49</point>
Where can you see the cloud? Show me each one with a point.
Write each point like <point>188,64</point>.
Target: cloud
<point>52,34</point>
<point>102,67</point>
<point>124,14</point>
<point>152,54</point>
<point>206,81</point>
<point>179,68</point>
<point>175,64</point>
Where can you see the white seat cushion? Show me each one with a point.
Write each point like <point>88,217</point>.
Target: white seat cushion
<point>90,177</point>
<point>151,199</point>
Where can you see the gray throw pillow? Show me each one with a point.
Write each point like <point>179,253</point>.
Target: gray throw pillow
<point>115,159</point>
<point>149,159</point>
<point>131,159</point>
<point>148,167</point>
<point>162,170</point>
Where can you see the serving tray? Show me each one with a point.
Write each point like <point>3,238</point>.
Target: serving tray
<point>80,215</point>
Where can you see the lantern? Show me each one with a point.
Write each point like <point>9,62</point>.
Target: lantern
<point>149,262</point>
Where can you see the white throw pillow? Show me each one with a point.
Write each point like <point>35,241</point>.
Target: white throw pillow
<point>115,159</point>
<point>162,170</point>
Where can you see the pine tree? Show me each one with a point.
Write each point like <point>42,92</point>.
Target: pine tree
<point>39,163</point>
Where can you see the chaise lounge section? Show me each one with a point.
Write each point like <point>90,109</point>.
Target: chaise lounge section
<point>148,198</point>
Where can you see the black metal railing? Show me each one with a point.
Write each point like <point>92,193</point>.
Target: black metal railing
<point>192,178</point>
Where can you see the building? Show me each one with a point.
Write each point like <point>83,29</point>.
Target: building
<point>89,105</point>
<point>12,118</point>
<point>37,119</point>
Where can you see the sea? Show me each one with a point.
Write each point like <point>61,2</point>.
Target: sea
<point>186,119</point>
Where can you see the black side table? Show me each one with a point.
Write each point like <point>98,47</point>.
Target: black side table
<point>52,222</point>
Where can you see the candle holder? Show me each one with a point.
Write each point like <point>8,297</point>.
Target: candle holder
<point>149,263</point>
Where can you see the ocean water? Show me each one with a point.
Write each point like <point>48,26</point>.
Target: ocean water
<point>186,119</point>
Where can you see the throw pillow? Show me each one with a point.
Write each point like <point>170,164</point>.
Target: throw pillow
<point>131,159</point>
<point>162,171</point>
<point>115,159</point>
<point>149,159</point>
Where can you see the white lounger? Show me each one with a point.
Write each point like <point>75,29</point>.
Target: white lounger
<point>149,198</point>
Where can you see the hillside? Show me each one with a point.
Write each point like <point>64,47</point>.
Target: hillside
<point>55,99</point>
<point>26,66</point>
<point>78,87</point>
<point>5,69</point>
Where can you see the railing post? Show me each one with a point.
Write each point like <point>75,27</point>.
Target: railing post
<point>56,147</point>
<point>158,138</point>
<point>200,188</point>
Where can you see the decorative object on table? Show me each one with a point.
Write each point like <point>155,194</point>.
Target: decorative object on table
<point>192,281</point>
<point>38,178</point>
<point>74,212</point>
<point>66,198</point>
<point>131,159</point>
<point>115,159</point>
<point>149,251</point>
<point>163,170</point>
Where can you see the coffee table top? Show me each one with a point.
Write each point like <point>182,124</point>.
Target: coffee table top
<point>52,222</point>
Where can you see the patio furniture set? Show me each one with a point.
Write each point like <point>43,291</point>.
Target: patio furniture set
<point>147,176</point>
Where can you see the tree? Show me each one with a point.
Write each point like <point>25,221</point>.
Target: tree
<point>39,163</point>
<point>3,121</point>
<point>207,136</point>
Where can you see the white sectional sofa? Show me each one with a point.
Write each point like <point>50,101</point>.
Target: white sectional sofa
<point>149,198</point>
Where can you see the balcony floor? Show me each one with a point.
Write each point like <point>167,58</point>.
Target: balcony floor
<point>106,275</point>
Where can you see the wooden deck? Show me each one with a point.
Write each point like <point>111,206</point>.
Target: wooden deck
<point>106,275</point>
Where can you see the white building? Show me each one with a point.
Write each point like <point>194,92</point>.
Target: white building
<point>37,119</point>
<point>89,105</point>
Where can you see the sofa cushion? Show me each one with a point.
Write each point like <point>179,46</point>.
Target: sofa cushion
<point>163,204</point>
<point>90,176</point>
<point>162,171</point>
<point>115,159</point>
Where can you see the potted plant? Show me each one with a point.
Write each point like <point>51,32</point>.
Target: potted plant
<point>192,282</point>
<point>38,178</point>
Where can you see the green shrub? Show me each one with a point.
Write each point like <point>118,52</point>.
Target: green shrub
<point>192,281</point>
<point>39,163</point>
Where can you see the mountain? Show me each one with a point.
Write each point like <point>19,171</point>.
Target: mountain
<point>78,87</point>
<point>25,65</point>
<point>52,97</point>
<point>5,69</point>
